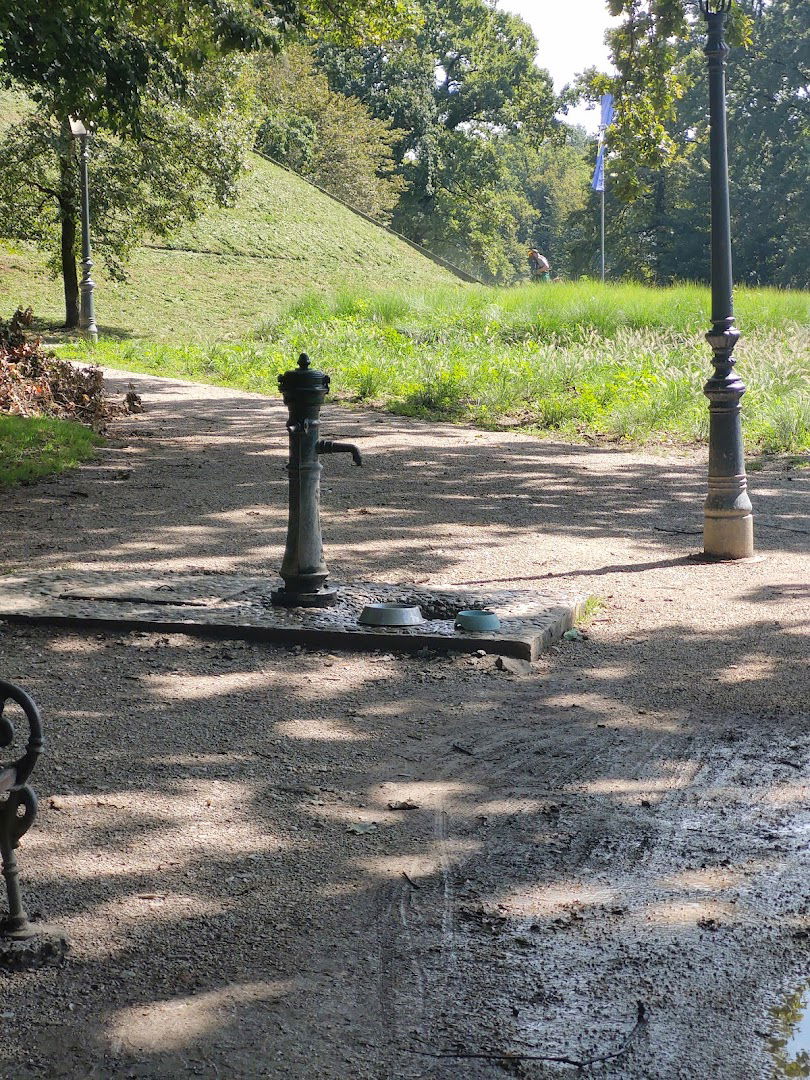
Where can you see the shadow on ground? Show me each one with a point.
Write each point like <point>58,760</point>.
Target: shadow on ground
<point>604,864</point>
<point>203,483</point>
<point>580,842</point>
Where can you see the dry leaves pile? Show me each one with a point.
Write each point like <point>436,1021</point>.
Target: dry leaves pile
<point>36,383</point>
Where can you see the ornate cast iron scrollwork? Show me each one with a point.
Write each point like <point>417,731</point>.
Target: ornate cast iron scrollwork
<point>18,807</point>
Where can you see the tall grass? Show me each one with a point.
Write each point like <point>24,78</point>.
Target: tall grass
<point>562,308</point>
<point>580,359</point>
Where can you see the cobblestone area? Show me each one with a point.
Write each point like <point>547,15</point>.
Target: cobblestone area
<point>240,606</point>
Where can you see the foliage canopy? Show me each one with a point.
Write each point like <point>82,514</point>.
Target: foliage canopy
<point>99,59</point>
<point>461,92</point>
<point>658,167</point>
<point>328,137</point>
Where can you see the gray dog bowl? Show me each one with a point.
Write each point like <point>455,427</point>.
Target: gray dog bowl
<point>390,615</point>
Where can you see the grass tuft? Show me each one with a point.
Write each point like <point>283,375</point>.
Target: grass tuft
<point>32,447</point>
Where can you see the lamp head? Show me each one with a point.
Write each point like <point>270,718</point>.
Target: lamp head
<point>77,128</point>
<point>715,7</point>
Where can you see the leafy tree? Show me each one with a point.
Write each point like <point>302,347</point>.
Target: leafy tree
<point>658,204</point>
<point>769,125</point>
<point>100,59</point>
<point>460,91</point>
<point>326,136</point>
<point>126,68</point>
<point>184,159</point>
<point>477,211</point>
<point>555,179</point>
<point>647,50</point>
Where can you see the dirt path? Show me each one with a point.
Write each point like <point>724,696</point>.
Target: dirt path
<point>606,868</point>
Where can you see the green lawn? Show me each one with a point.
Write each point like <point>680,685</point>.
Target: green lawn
<point>218,280</point>
<point>614,362</point>
<point>35,447</point>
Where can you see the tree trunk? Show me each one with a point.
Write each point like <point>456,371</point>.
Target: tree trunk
<point>69,273</point>
<point>68,212</point>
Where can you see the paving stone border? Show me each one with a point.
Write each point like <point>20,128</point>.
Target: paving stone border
<point>239,606</point>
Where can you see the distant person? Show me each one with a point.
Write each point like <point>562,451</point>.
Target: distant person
<point>539,267</point>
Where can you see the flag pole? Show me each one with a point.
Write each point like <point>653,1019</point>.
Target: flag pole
<point>598,182</point>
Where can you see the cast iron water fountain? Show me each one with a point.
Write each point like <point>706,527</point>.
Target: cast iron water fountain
<point>303,568</point>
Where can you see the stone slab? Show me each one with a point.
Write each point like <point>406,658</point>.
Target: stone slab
<point>239,606</point>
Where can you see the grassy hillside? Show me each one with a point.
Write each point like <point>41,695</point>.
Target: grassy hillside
<point>234,269</point>
<point>235,296</point>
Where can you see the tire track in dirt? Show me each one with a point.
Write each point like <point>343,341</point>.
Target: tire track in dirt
<point>631,813</point>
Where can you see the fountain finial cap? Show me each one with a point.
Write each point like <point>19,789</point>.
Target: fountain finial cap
<point>303,379</point>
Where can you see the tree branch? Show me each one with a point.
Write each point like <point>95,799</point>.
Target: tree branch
<point>45,190</point>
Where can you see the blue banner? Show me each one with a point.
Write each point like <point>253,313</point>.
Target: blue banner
<point>598,182</point>
<point>608,111</point>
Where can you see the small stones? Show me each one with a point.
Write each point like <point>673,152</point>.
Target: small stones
<point>46,946</point>
<point>514,666</point>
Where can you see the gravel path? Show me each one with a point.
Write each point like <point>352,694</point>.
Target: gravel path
<point>291,864</point>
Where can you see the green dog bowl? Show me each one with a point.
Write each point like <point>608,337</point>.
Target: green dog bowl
<point>477,622</point>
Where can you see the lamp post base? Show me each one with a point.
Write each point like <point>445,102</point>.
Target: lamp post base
<point>87,315</point>
<point>728,536</point>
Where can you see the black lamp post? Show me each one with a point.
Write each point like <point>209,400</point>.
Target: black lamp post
<point>87,314</point>
<point>728,530</point>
